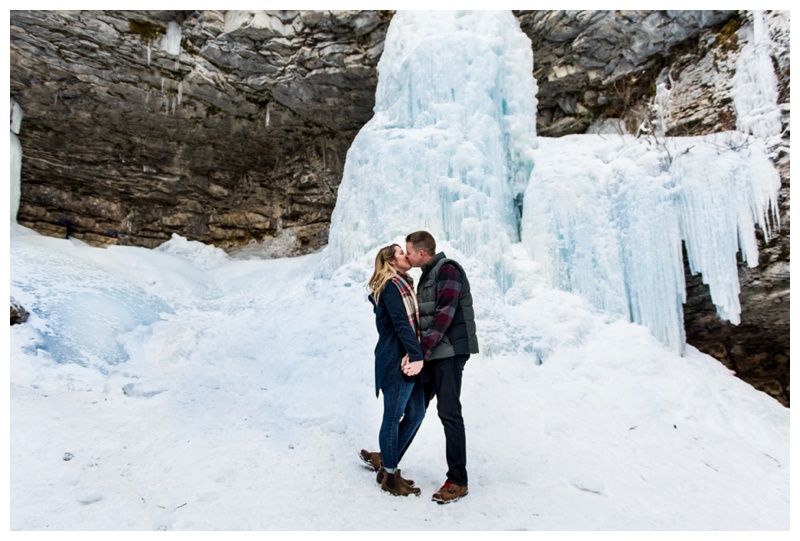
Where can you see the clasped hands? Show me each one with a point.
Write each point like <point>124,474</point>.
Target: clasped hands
<point>412,368</point>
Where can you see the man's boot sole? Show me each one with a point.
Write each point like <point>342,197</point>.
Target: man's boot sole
<point>443,502</point>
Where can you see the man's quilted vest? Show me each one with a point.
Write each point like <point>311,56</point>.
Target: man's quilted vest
<point>460,338</point>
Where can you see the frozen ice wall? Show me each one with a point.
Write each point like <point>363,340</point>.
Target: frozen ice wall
<point>449,148</point>
<point>606,215</point>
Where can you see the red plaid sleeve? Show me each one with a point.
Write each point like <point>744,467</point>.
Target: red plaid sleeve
<point>448,291</point>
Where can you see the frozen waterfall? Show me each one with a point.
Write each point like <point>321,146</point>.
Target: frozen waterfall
<point>452,149</point>
<point>449,148</point>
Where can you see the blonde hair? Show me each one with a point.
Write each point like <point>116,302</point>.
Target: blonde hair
<point>384,272</point>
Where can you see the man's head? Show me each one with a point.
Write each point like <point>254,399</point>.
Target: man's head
<point>420,248</point>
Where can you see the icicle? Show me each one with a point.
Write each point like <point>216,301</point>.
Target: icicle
<point>266,119</point>
<point>180,92</point>
<point>148,53</point>
<point>661,107</point>
<point>16,165</point>
<point>16,158</point>
<point>16,116</point>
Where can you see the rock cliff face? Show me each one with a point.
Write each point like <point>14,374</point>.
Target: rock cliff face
<point>219,126</point>
<point>232,127</point>
<point>600,64</point>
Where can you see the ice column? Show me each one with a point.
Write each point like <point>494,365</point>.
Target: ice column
<point>171,42</point>
<point>450,147</point>
<point>755,88</point>
<point>16,158</point>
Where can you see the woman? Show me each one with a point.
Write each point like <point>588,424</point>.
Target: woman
<point>398,360</point>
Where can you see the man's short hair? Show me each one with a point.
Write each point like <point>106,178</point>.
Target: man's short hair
<point>422,240</point>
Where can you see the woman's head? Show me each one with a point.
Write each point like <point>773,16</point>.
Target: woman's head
<point>398,259</point>
<point>391,257</point>
<point>389,261</point>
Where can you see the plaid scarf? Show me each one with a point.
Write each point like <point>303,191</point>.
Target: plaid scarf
<point>405,284</point>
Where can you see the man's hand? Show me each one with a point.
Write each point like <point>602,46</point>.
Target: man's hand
<point>413,368</point>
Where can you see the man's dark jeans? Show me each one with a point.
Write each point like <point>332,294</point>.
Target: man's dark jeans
<point>444,382</point>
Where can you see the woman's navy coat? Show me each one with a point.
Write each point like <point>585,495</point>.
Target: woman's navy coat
<point>396,337</point>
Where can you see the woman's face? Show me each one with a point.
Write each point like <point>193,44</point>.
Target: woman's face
<point>400,263</point>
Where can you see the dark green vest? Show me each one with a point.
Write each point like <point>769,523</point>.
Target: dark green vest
<point>460,338</point>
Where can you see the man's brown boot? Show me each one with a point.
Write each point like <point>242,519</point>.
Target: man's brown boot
<point>393,484</point>
<point>449,493</point>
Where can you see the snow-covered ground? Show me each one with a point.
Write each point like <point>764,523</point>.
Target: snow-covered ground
<point>243,405</point>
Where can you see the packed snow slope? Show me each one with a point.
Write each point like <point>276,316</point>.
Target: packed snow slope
<point>241,392</point>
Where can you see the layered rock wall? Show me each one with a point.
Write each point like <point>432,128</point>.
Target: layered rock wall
<point>224,127</point>
<point>600,64</point>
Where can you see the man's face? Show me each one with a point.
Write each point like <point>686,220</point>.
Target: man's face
<point>415,257</point>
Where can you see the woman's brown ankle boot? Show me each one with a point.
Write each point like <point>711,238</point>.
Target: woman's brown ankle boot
<point>382,474</point>
<point>393,484</point>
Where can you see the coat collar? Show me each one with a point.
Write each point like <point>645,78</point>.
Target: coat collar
<point>432,263</point>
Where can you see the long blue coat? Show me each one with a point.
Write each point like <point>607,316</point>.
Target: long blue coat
<point>396,337</point>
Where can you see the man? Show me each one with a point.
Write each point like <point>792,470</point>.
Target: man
<point>447,326</point>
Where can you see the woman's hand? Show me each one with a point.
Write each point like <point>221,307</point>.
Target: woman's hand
<point>413,368</point>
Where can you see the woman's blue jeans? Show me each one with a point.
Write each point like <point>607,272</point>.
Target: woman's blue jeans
<point>403,411</point>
